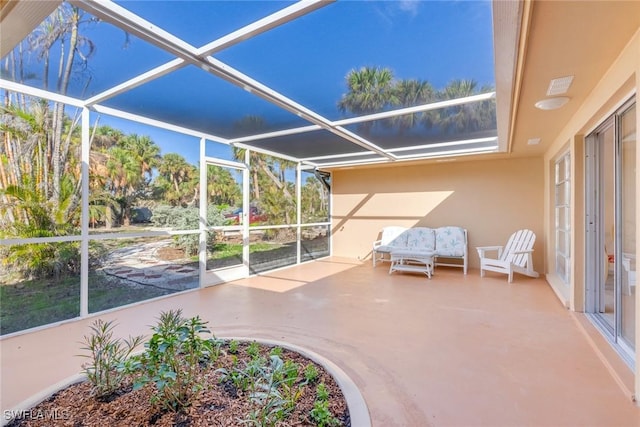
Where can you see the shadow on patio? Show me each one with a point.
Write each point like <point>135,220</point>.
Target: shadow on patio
<point>453,350</point>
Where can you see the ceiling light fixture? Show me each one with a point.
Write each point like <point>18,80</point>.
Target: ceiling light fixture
<point>552,103</point>
<point>533,141</point>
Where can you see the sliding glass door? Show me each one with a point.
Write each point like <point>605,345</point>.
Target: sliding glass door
<point>611,227</point>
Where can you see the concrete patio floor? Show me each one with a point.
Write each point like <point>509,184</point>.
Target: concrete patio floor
<point>451,351</point>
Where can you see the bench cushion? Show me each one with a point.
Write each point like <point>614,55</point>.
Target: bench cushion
<point>450,241</point>
<point>421,239</point>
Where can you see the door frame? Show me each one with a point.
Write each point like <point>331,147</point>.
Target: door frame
<point>235,272</point>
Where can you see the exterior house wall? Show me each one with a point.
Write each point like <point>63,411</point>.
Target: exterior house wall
<point>619,84</point>
<point>490,198</point>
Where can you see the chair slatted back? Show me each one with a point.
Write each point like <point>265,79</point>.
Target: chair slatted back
<point>521,240</point>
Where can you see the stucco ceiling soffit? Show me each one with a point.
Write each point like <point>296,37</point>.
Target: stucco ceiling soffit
<point>19,18</point>
<point>581,39</point>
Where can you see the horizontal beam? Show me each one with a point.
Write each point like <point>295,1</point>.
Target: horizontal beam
<point>417,109</point>
<point>40,93</point>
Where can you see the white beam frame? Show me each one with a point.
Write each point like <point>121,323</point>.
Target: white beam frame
<point>145,30</point>
<point>258,27</point>
<point>202,253</point>
<point>84,222</point>
<point>201,57</point>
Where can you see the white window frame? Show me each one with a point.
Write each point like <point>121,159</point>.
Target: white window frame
<point>562,229</point>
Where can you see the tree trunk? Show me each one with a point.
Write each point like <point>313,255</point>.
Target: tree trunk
<point>108,217</point>
<point>58,156</point>
<point>256,186</point>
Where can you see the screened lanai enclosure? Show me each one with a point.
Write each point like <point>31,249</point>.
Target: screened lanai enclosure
<point>150,147</point>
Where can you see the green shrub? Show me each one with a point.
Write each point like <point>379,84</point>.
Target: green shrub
<point>42,260</point>
<point>311,373</point>
<point>253,350</point>
<point>233,346</point>
<point>106,355</point>
<point>172,360</point>
<point>276,351</point>
<point>271,401</point>
<point>320,414</point>
<point>179,218</point>
<point>321,392</point>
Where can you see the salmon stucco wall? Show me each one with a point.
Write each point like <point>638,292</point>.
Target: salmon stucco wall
<point>490,198</point>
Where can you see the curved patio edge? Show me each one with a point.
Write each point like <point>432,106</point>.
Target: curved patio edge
<point>358,410</point>
<point>9,414</point>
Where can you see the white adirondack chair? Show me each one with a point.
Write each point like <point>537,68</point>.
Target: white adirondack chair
<point>515,256</point>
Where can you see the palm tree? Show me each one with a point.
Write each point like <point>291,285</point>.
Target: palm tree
<point>26,152</point>
<point>222,188</point>
<point>369,90</point>
<point>466,117</point>
<point>144,151</point>
<point>125,178</point>
<point>42,154</point>
<point>250,125</point>
<point>177,179</point>
<point>314,199</point>
<point>105,137</point>
<point>65,31</point>
<point>409,93</point>
<point>102,201</point>
<point>268,173</point>
<point>41,218</point>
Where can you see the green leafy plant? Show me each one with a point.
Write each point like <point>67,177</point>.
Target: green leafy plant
<point>235,376</point>
<point>270,405</point>
<point>320,414</point>
<point>311,373</point>
<point>106,355</point>
<point>276,351</point>
<point>233,346</point>
<point>172,360</point>
<point>185,218</point>
<point>289,384</point>
<point>321,392</point>
<point>253,350</point>
<point>290,372</point>
<point>245,378</point>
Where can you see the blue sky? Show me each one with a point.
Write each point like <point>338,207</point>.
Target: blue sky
<point>306,59</point>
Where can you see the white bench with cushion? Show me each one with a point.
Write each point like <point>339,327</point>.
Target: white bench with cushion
<point>443,244</point>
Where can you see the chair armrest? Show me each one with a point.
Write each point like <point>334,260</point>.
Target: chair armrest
<point>482,249</point>
<point>489,248</point>
<point>377,243</point>
<point>523,252</point>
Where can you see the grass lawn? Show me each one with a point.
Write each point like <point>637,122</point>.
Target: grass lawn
<point>38,302</point>
<point>32,303</point>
